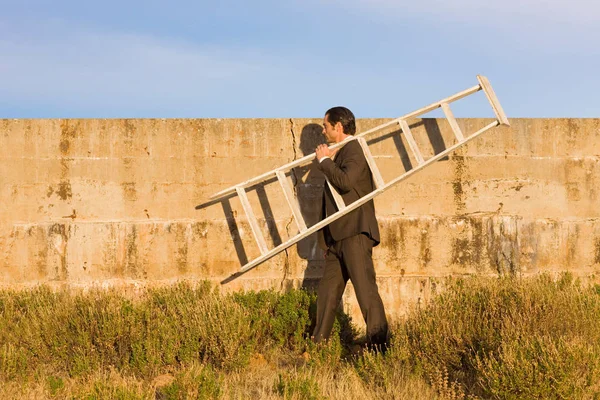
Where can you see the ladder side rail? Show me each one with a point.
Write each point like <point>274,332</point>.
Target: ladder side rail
<point>491,96</point>
<point>297,163</point>
<point>438,104</point>
<point>452,121</point>
<point>291,200</point>
<point>307,159</point>
<point>258,236</point>
<point>423,110</point>
<point>411,141</point>
<point>371,161</point>
<point>252,264</point>
<point>247,183</point>
<point>339,201</point>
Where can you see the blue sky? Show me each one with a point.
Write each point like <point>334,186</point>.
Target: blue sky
<point>273,59</point>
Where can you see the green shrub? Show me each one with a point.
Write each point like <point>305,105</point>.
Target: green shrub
<point>79,334</point>
<point>279,319</point>
<point>541,368</point>
<point>170,326</point>
<point>485,336</point>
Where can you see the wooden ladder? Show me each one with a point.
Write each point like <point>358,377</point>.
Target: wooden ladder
<point>380,185</point>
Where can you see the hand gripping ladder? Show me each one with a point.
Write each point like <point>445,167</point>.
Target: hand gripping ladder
<point>380,185</point>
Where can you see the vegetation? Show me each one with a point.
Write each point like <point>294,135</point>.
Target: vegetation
<point>499,338</point>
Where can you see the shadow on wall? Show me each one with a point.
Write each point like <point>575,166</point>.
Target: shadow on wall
<point>308,184</point>
<point>232,223</point>
<point>309,189</point>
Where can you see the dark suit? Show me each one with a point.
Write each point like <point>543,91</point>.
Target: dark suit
<point>349,241</point>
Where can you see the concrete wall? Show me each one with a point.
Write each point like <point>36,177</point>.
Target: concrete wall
<point>112,202</point>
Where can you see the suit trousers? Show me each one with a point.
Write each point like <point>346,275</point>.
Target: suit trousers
<point>350,258</point>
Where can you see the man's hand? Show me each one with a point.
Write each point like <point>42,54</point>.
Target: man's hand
<point>323,151</point>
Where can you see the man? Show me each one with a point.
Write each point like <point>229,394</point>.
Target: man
<point>349,240</point>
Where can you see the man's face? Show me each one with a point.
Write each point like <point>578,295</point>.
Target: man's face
<point>329,130</point>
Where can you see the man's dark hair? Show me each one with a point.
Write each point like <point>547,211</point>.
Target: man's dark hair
<point>343,116</point>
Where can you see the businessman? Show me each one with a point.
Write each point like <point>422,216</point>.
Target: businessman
<point>348,241</point>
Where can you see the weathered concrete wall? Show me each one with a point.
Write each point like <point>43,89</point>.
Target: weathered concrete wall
<point>87,202</point>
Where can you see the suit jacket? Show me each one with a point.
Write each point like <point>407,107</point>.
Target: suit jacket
<point>349,173</point>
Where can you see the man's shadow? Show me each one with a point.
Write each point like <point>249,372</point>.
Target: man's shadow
<point>309,183</point>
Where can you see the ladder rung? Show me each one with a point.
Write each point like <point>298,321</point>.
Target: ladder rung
<point>452,121</point>
<point>411,141</point>
<point>260,240</point>
<point>371,161</point>
<point>339,202</point>
<point>491,96</point>
<point>291,200</point>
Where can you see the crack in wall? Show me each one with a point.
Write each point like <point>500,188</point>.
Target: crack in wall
<point>293,139</point>
<point>293,175</point>
<point>286,263</point>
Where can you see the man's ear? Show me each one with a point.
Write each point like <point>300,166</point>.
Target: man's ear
<point>338,127</point>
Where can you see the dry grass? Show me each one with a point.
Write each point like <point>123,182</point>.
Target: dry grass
<point>481,337</point>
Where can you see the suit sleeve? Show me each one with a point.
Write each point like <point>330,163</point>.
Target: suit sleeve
<point>346,175</point>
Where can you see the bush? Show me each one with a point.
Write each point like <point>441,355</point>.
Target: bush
<point>541,367</point>
<point>178,325</point>
<point>481,337</point>
<point>506,338</point>
<point>278,320</point>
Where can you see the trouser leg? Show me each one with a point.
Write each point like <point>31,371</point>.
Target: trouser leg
<point>329,293</point>
<point>356,256</point>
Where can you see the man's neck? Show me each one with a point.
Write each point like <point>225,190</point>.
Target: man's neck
<point>341,138</point>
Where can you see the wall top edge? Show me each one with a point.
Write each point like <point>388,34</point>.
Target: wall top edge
<point>518,119</point>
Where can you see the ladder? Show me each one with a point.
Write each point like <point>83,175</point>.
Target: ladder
<point>380,185</point>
